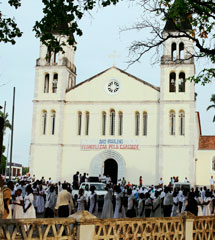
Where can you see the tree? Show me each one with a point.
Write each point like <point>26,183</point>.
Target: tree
<point>62,17</point>
<point>8,27</point>
<point>212,105</point>
<point>25,170</point>
<point>192,19</point>
<point>3,162</point>
<point>6,124</point>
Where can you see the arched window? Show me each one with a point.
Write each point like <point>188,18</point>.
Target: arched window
<point>54,83</point>
<point>53,119</point>
<point>173,52</point>
<point>46,83</point>
<point>172,122</point>
<point>213,164</point>
<point>172,81</point>
<point>145,119</point>
<point>112,122</point>
<point>181,82</point>
<point>103,123</point>
<point>181,51</point>
<point>120,123</point>
<point>87,123</point>
<point>44,122</point>
<point>182,123</point>
<point>79,122</point>
<point>137,123</point>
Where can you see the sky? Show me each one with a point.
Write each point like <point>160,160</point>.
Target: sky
<point>102,35</point>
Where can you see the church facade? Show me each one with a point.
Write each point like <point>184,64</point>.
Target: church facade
<point>117,124</point>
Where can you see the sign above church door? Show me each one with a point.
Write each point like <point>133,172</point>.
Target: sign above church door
<point>113,144</point>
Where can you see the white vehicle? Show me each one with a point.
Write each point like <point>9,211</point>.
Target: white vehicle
<point>100,191</point>
<point>182,186</point>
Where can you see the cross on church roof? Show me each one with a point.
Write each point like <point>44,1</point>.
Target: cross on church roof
<point>114,56</point>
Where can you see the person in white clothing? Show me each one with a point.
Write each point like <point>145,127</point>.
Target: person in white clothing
<point>212,183</point>
<point>161,182</point>
<point>29,211</point>
<point>175,206</point>
<point>51,199</point>
<point>206,204</point>
<point>81,200</point>
<point>148,205</point>
<point>107,210</point>
<point>40,200</point>
<point>18,205</point>
<point>140,207</point>
<point>64,200</point>
<point>119,208</point>
<point>131,204</point>
<point>156,208</point>
<point>93,201</point>
<point>186,180</point>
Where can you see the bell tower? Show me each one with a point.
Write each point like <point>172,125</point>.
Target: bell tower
<point>55,74</point>
<point>177,64</point>
<point>177,105</point>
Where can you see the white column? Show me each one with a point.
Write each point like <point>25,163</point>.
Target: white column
<point>86,226</point>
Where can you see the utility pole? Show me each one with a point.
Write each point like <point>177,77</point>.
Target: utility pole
<point>11,143</point>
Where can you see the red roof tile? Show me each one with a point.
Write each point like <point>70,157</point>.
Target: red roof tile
<point>207,142</point>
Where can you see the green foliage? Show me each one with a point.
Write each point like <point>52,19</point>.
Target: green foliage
<point>6,121</point>
<point>3,161</point>
<point>63,16</point>
<point>200,15</point>
<point>8,27</point>
<point>25,170</point>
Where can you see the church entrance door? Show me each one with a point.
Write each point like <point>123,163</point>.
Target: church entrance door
<point>111,169</point>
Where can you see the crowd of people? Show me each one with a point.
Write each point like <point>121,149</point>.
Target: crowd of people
<point>31,198</point>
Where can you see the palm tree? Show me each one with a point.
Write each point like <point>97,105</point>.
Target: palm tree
<point>6,121</point>
<point>212,105</point>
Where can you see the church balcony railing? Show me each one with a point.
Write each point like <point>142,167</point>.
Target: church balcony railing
<point>168,60</point>
<point>62,62</point>
<point>85,226</point>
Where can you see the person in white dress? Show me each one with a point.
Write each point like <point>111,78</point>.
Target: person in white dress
<point>140,207</point>
<point>81,200</point>
<point>93,201</point>
<point>40,200</point>
<point>148,205</point>
<point>185,202</point>
<point>206,204</point>
<point>131,212</point>
<point>107,210</point>
<point>29,211</point>
<point>199,201</point>
<point>35,193</point>
<point>119,211</point>
<point>18,205</point>
<point>175,206</point>
<point>156,209</point>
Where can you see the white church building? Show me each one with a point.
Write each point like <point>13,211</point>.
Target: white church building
<point>117,124</point>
